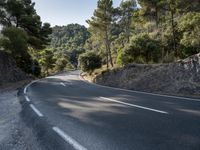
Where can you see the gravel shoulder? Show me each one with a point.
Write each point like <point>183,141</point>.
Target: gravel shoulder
<point>14,134</point>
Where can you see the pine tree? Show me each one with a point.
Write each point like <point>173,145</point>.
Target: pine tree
<point>101,22</point>
<point>126,10</point>
<point>22,14</point>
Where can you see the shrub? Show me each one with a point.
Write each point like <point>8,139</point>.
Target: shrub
<point>188,25</point>
<point>89,61</point>
<point>142,49</point>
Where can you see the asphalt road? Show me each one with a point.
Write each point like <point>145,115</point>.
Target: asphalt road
<point>91,117</point>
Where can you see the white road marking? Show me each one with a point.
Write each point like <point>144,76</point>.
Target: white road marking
<point>140,92</point>
<point>62,84</point>
<point>26,87</point>
<point>36,110</point>
<point>68,139</point>
<point>27,99</point>
<point>137,106</point>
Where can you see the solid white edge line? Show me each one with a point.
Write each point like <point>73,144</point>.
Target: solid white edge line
<point>68,139</point>
<point>26,87</point>
<point>27,99</point>
<point>137,106</point>
<point>140,92</point>
<point>36,110</point>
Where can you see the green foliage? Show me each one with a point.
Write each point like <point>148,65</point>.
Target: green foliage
<point>15,42</point>
<point>89,61</point>
<point>100,24</point>
<point>119,58</point>
<point>46,60</point>
<point>21,14</point>
<point>142,49</point>
<point>189,26</point>
<point>159,31</point>
<point>126,12</point>
<point>69,40</point>
<point>22,31</point>
<point>61,64</point>
<point>72,37</point>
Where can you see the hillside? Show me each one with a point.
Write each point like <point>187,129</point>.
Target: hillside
<point>180,78</point>
<point>70,40</point>
<point>70,37</point>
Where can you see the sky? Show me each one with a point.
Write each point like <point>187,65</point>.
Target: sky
<point>63,12</point>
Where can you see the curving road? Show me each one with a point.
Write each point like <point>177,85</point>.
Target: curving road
<point>92,117</point>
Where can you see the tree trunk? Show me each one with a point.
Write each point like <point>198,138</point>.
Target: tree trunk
<point>173,33</point>
<point>107,60</point>
<point>108,50</point>
<point>111,61</point>
<point>107,63</point>
<point>157,17</point>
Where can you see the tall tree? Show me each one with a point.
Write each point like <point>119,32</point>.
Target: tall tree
<point>101,22</point>
<point>126,9</point>
<point>170,7</point>
<point>21,14</point>
<point>23,31</point>
<point>150,9</point>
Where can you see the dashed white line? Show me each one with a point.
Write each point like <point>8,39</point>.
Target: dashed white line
<point>137,106</point>
<point>27,99</point>
<point>68,139</point>
<point>36,110</point>
<point>62,84</point>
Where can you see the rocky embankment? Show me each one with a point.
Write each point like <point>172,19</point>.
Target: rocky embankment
<point>180,78</point>
<point>9,72</point>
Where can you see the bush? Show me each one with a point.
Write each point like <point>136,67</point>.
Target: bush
<point>188,25</point>
<point>141,49</point>
<point>89,61</point>
<point>15,42</point>
<point>61,64</point>
<point>119,58</point>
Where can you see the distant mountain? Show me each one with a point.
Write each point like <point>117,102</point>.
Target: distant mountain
<point>71,37</point>
<point>69,40</point>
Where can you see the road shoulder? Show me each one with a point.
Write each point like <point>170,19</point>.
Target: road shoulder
<point>14,134</point>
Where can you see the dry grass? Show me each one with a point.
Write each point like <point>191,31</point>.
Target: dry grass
<point>92,76</point>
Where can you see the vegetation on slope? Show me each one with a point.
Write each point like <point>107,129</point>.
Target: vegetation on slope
<point>153,31</point>
<point>69,40</point>
<point>23,33</point>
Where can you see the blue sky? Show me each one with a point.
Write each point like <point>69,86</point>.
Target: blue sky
<point>63,12</point>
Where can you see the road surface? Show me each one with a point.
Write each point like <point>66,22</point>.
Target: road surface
<point>92,117</point>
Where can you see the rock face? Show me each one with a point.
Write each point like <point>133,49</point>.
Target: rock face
<point>9,72</point>
<point>180,78</point>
